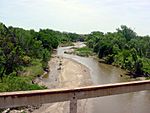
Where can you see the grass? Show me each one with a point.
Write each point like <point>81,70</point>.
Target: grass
<point>147,78</point>
<point>146,65</point>
<point>84,51</point>
<point>18,83</point>
<point>34,70</point>
<point>65,44</point>
<point>23,82</point>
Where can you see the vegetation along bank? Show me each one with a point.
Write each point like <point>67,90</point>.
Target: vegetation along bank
<point>122,48</point>
<point>24,54</point>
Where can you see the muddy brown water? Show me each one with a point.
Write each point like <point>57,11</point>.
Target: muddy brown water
<point>138,102</point>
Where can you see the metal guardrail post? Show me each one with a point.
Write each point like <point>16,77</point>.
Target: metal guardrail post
<point>73,104</point>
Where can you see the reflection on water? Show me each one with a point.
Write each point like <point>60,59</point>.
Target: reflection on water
<point>138,102</point>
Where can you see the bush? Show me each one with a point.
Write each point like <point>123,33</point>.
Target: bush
<point>14,83</point>
<point>109,59</point>
<point>66,43</point>
<point>26,60</point>
<point>34,69</point>
<point>84,51</point>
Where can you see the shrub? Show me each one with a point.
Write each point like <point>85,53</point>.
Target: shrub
<point>14,83</point>
<point>26,60</point>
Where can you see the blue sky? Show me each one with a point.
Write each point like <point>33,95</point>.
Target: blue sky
<point>80,16</point>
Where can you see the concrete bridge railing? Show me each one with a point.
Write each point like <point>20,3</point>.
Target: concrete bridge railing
<point>23,98</point>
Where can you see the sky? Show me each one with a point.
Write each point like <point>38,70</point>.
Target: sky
<point>78,16</point>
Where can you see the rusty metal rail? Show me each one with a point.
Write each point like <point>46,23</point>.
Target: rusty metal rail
<point>23,98</point>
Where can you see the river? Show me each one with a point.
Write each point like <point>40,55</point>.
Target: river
<point>138,102</point>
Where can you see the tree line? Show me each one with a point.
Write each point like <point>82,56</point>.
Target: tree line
<point>18,47</point>
<point>122,48</point>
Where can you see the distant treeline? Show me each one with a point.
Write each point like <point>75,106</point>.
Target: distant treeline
<point>122,48</point>
<point>19,47</point>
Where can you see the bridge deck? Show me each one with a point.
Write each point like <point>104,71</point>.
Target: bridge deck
<point>36,97</point>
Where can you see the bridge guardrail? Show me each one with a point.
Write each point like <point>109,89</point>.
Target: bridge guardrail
<point>36,97</point>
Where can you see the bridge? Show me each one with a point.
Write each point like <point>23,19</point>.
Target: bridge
<point>37,97</point>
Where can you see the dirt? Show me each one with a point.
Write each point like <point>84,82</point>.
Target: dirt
<point>65,73</point>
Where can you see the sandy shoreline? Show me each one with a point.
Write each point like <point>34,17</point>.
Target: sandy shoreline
<point>74,74</point>
<point>65,73</point>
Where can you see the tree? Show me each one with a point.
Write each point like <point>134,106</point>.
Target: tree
<point>105,49</point>
<point>138,67</point>
<point>11,53</point>
<point>126,32</point>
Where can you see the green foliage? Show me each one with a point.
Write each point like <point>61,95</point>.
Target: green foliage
<point>71,37</point>
<point>94,38</point>
<point>122,48</point>
<point>109,59</point>
<point>138,67</point>
<point>26,52</point>
<point>14,83</point>
<point>26,60</point>
<point>11,52</point>
<point>146,65</point>
<point>34,69</point>
<point>105,49</point>
<point>49,38</point>
<point>46,58</point>
<point>127,33</point>
<point>18,47</point>
<point>84,51</point>
<point>65,43</point>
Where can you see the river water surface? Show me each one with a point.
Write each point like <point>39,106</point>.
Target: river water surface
<point>138,102</point>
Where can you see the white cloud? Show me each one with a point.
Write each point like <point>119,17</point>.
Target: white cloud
<point>80,16</point>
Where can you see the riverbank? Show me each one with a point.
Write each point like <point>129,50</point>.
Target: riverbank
<point>23,81</point>
<point>74,74</point>
<point>61,73</point>
<point>85,51</point>
<point>65,73</point>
